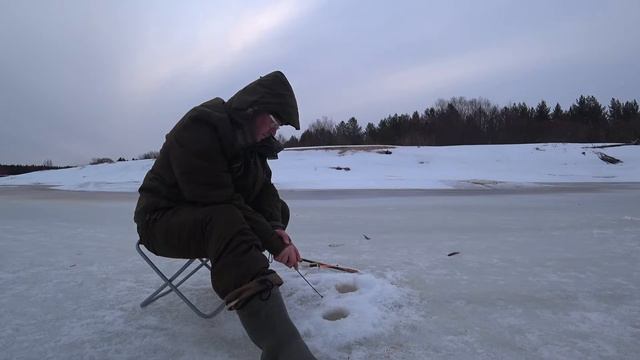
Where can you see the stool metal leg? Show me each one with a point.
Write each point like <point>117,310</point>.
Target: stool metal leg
<point>153,297</point>
<point>168,282</point>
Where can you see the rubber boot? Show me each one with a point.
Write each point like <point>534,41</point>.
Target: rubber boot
<point>267,323</point>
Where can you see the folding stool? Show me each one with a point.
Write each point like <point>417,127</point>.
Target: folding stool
<point>173,287</point>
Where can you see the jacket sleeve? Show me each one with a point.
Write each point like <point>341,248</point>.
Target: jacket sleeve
<point>202,172</point>
<point>271,241</point>
<point>268,202</point>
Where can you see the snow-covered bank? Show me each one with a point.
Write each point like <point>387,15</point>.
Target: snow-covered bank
<point>403,168</point>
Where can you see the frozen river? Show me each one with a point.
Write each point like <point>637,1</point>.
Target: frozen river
<point>541,274</point>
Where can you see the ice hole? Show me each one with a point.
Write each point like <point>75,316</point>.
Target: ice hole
<point>335,314</point>
<point>346,288</point>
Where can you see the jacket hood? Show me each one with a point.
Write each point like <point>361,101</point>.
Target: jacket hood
<point>271,93</point>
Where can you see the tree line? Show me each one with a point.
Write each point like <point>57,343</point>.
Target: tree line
<point>17,169</point>
<point>461,121</point>
<point>13,169</point>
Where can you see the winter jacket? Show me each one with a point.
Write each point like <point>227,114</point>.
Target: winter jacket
<point>210,158</point>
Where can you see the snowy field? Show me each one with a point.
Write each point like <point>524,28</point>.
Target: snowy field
<point>446,167</point>
<point>548,243</point>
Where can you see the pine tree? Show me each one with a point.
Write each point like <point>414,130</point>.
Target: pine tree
<point>292,142</point>
<point>630,111</point>
<point>354,132</point>
<point>541,114</point>
<point>371,134</point>
<point>615,110</point>
<point>587,110</point>
<point>341,133</point>
<point>558,113</point>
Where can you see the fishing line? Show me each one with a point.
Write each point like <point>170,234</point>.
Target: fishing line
<point>305,279</point>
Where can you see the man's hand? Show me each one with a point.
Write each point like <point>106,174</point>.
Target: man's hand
<point>290,255</point>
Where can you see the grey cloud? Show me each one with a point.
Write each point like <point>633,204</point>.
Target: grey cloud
<point>85,79</point>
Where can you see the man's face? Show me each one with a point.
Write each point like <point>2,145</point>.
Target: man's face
<point>266,125</point>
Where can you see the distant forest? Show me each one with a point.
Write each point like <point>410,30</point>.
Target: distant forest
<point>6,170</point>
<point>461,121</point>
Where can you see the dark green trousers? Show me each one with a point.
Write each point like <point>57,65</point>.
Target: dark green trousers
<point>215,232</point>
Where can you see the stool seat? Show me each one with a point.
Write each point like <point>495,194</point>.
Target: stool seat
<point>172,285</point>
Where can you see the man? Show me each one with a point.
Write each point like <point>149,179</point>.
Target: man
<point>209,195</point>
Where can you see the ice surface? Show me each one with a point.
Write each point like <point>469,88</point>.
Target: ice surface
<point>542,274</point>
<point>542,271</point>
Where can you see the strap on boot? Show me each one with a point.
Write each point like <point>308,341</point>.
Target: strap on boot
<point>261,285</point>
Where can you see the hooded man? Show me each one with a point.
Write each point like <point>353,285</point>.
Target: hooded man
<point>209,195</point>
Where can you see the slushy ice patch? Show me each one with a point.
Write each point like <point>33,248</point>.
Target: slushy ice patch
<point>344,288</point>
<point>335,314</point>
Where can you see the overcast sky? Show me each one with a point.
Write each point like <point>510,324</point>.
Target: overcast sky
<point>84,79</point>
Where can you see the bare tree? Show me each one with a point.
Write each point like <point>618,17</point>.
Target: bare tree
<point>96,161</point>
<point>149,155</point>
